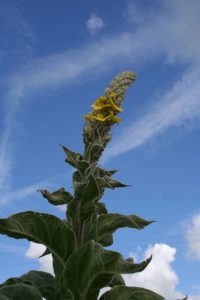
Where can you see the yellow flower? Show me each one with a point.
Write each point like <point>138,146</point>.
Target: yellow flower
<point>115,106</point>
<point>101,117</point>
<point>105,102</point>
<point>100,103</point>
<point>104,109</point>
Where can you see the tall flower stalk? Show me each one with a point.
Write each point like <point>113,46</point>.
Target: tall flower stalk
<point>81,262</point>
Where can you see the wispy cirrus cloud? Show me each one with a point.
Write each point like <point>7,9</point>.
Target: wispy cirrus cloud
<point>26,193</point>
<point>178,105</point>
<point>193,238</point>
<point>152,37</point>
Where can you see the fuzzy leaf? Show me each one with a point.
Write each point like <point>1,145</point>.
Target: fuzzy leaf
<point>72,157</point>
<point>109,223</point>
<point>41,228</point>
<point>102,208</point>
<point>19,291</point>
<point>106,240</point>
<point>117,280</point>
<point>91,268</point>
<point>58,197</point>
<point>91,191</point>
<point>130,293</point>
<point>104,172</point>
<point>111,183</point>
<point>89,198</point>
<point>43,281</point>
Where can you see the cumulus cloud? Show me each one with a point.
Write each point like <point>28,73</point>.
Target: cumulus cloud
<point>159,276</point>
<point>34,251</point>
<point>94,23</point>
<point>195,297</point>
<point>193,237</point>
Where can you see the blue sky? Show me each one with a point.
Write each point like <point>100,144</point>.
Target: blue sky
<point>56,58</point>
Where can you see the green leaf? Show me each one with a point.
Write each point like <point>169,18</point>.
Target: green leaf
<point>109,223</point>
<point>117,280</point>
<point>113,183</point>
<point>106,240</point>
<point>102,208</point>
<point>90,229</point>
<point>20,291</point>
<point>89,198</point>
<point>96,150</point>
<point>72,157</point>
<point>130,293</point>
<point>91,191</point>
<point>75,159</point>
<point>58,197</point>
<point>91,268</point>
<point>104,172</point>
<point>41,228</point>
<point>43,281</point>
<point>82,165</point>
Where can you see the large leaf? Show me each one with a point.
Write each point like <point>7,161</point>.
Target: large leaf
<point>109,223</point>
<point>41,228</point>
<point>20,291</point>
<point>89,198</point>
<point>58,197</point>
<point>130,293</point>
<point>43,281</point>
<point>91,268</point>
<point>117,280</point>
<point>90,227</point>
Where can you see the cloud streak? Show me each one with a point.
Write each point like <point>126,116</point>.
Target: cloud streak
<point>193,238</point>
<point>152,38</point>
<point>179,105</point>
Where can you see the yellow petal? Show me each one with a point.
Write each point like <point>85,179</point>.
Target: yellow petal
<point>100,106</point>
<point>115,106</point>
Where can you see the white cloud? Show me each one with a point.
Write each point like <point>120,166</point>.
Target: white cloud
<point>195,297</point>
<point>94,23</point>
<point>193,237</point>
<point>34,251</point>
<point>171,32</point>
<point>171,26</point>
<point>177,106</point>
<point>159,276</point>
<point>26,193</point>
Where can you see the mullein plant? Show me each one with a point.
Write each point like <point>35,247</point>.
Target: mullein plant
<point>82,264</point>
